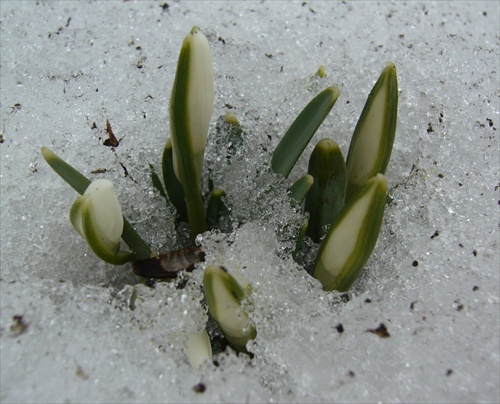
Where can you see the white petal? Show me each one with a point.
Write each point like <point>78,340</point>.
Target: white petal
<point>201,89</point>
<point>106,209</point>
<point>198,349</point>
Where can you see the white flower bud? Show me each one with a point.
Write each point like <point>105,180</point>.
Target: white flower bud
<point>191,106</point>
<point>97,216</point>
<point>228,300</point>
<point>198,349</point>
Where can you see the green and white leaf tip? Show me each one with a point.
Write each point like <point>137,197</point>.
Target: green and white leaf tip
<point>373,137</point>
<point>227,300</point>
<point>191,107</point>
<point>198,349</point>
<point>232,119</point>
<point>321,72</point>
<point>352,237</point>
<point>97,216</point>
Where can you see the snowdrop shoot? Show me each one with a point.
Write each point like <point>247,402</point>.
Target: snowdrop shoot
<point>371,143</point>
<point>226,300</point>
<point>352,237</point>
<point>191,106</point>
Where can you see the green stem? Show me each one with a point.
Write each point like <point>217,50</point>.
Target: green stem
<point>134,241</point>
<point>196,213</point>
<point>172,185</point>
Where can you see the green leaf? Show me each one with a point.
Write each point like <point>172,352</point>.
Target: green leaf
<point>327,195</point>
<point>352,237</point>
<point>301,187</point>
<point>173,186</point>
<point>215,207</point>
<point>80,183</point>
<point>134,241</point>
<point>226,300</point>
<point>73,177</point>
<point>302,130</point>
<point>157,182</point>
<point>373,137</point>
<point>300,238</point>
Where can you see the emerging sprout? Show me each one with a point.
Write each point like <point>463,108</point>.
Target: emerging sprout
<point>226,299</point>
<point>191,106</point>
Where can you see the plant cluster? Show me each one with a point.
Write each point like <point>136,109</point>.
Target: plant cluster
<point>343,199</point>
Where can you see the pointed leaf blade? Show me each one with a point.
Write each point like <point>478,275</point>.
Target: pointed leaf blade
<point>302,130</point>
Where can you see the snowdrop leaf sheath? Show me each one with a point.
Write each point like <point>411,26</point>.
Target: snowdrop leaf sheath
<point>373,137</point>
<point>191,106</point>
<point>352,237</point>
<point>301,187</point>
<point>326,197</point>
<point>226,300</point>
<point>172,185</point>
<point>97,216</point>
<point>302,130</point>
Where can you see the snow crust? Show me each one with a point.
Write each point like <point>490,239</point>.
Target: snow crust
<point>421,324</point>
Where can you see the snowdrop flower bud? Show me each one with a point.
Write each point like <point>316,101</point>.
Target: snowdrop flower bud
<point>198,349</point>
<point>191,106</point>
<point>97,216</point>
<point>352,237</point>
<point>228,301</point>
<point>373,138</point>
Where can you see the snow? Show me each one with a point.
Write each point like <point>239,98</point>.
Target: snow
<point>67,331</point>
